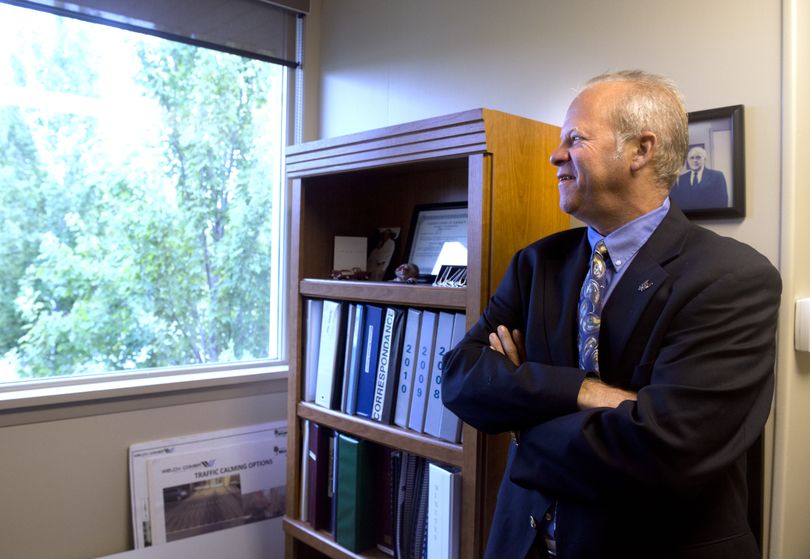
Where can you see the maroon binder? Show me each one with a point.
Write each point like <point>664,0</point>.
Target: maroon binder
<point>385,497</point>
<point>319,507</point>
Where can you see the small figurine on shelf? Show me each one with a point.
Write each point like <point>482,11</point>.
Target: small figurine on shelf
<point>409,273</point>
<point>353,274</point>
<point>384,243</point>
<point>406,273</point>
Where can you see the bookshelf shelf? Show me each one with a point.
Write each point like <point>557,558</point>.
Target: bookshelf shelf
<point>323,542</point>
<point>386,293</point>
<point>493,162</point>
<point>388,435</point>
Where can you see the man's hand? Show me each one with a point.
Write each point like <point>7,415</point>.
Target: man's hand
<point>596,394</point>
<point>509,344</point>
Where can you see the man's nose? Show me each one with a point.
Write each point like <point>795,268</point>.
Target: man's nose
<point>559,156</point>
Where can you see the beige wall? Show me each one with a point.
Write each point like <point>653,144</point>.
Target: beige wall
<point>64,492</point>
<point>384,62</point>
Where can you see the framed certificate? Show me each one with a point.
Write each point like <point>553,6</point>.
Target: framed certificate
<point>438,236</point>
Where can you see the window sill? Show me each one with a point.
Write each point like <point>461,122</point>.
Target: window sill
<point>70,392</point>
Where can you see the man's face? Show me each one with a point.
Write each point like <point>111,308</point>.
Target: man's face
<point>696,159</point>
<point>591,169</point>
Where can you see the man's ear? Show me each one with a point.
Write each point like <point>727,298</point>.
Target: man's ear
<point>643,150</point>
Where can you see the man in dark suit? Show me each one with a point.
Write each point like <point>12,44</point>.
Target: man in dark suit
<point>632,359</point>
<point>699,187</point>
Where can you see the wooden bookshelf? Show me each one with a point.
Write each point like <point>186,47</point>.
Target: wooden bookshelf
<point>495,162</point>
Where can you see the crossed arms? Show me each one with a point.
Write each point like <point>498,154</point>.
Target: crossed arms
<point>592,393</point>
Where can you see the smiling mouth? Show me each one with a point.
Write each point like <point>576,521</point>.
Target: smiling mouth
<point>563,178</point>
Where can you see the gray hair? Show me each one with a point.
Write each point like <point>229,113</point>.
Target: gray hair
<point>653,104</point>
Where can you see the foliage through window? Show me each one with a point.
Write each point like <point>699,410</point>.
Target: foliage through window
<point>138,181</point>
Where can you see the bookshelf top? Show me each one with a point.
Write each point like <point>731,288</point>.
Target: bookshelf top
<point>459,119</point>
<point>455,135</point>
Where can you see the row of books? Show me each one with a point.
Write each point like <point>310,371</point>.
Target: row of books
<point>369,495</point>
<point>381,363</point>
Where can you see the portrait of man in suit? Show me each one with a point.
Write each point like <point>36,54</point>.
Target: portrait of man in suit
<point>631,360</point>
<point>700,187</point>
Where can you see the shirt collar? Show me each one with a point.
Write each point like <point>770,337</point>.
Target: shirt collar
<point>623,243</point>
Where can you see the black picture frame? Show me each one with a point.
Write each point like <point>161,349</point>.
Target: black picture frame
<point>414,246</point>
<point>719,133</point>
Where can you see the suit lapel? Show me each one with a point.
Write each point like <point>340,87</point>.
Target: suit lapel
<point>637,299</point>
<point>642,291</point>
<point>562,282</point>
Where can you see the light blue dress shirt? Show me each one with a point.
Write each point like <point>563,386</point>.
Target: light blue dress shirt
<point>624,242</point>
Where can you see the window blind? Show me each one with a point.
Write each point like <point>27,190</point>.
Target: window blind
<point>262,29</point>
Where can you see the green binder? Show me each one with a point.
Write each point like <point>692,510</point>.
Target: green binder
<point>355,525</point>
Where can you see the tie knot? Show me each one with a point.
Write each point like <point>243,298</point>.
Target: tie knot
<point>599,260</point>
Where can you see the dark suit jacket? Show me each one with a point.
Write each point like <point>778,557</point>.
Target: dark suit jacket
<point>690,327</point>
<point>710,192</point>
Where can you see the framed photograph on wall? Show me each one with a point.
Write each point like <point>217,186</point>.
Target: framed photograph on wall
<point>712,182</point>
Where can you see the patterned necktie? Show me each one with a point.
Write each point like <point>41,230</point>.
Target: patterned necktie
<point>591,300</point>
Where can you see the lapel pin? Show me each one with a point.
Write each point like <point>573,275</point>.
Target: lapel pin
<point>645,285</point>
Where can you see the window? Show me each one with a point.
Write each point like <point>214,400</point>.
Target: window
<point>140,201</point>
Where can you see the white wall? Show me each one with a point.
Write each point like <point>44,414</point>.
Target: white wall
<point>385,62</point>
<point>65,481</point>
